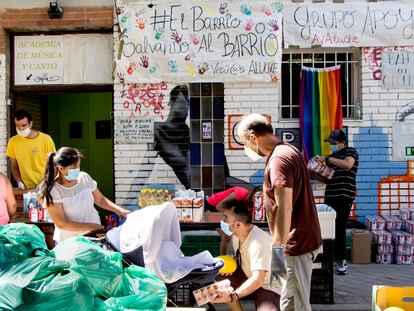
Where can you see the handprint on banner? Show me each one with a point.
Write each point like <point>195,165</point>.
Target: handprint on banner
<point>131,68</point>
<point>194,39</point>
<point>277,6</point>
<point>249,25</point>
<point>202,68</point>
<point>210,10</point>
<point>266,10</point>
<point>191,70</point>
<point>144,62</point>
<point>119,10</point>
<point>154,68</point>
<point>121,77</point>
<point>125,17</point>
<point>176,37</point>
<point>271,48</point>
<point>273,24</point>
<point>223,8</point>
<point>140,23</point>
<point>140,12</point>
<point>159,33</point>
<point>189,56</point>
<point>246,10</point>
<point>275,77</point>
<point>172,64</point>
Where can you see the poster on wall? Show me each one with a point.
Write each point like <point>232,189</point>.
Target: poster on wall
<point>63,59</point>
<point>402,141</point>
<point>38,60</point>
<point>349,24</point>
<point>133,130</point>
<point>207,41</point>
<point>398,69</point>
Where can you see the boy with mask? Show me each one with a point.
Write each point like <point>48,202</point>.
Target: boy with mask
<point>252,247</point>
<point>340,191</point>
<point>27,151</point>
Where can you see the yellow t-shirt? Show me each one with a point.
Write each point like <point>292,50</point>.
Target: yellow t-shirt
<point>31,156</point>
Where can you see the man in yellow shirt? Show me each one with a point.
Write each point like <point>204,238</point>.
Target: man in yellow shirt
<point>27,151</point>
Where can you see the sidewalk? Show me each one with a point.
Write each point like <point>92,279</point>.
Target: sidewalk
<point>354,291</point>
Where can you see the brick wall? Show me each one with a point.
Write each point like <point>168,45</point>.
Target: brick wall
<point>37,20</point>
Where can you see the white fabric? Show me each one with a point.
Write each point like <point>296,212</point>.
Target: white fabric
<point>77,202</point>
<point>157,230</point>
<point>256,253</point>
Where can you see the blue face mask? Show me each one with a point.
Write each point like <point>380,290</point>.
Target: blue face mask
<point>73,174</point>
<point>226,228</point>
<point>334,148</point>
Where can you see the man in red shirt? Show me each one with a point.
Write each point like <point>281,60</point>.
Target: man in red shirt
<point>292,216</point>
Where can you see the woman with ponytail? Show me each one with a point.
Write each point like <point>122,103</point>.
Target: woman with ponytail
<point>69,195</point>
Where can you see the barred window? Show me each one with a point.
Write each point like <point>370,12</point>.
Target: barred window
<point>348,59</point>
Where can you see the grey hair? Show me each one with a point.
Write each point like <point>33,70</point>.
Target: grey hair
<point>254,123</point>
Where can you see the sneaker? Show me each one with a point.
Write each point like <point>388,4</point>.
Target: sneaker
<point>341,268</point>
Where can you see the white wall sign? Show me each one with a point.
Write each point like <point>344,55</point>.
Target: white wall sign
<point>63,59</point>
<point>402,137</point>
<point>214,40</point>
<point>134,130</point>
<point>398,69</point>
<point>38,60</point>
<point>349,24</point>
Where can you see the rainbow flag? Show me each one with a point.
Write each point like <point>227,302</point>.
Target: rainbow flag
<point>320,104</point>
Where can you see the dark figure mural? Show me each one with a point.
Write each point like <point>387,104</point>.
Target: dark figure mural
<point>172,137</point>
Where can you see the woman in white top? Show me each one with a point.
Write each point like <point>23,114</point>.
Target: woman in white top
<point>70,194</point>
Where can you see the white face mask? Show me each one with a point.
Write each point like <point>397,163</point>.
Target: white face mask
<point>253,155</point>
<point>24,133</point>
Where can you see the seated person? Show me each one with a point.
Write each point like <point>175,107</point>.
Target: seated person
<point>69,196</point>
<point>7,200</point>
<point>216,202</point>
<point>252,247</point>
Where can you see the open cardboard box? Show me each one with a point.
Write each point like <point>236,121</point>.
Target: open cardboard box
<point>384,297</point>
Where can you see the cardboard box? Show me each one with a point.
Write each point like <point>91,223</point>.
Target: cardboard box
<point>384,297</point>
<point>361,246</point>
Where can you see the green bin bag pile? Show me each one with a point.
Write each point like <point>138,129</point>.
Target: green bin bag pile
<point>76,275</point>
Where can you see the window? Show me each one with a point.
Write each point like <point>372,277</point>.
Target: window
<point>293,60</point>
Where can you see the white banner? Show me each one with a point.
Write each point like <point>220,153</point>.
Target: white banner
<point>63,59</point>
<point>211,41</point>
<point>350,24</point>
<point>398,69</point>
<point>38,60</point>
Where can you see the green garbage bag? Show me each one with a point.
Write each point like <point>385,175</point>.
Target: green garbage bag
<point>43,283</point>
<point>103,269</point>
<point>145,292</point>
<point>19,240</point>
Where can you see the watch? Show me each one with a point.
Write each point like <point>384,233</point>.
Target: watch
<point>327,160</point>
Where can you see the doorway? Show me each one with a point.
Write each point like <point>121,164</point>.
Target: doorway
<point>82,121</point>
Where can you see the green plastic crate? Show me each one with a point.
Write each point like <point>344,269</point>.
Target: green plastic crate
<point>194,244</point>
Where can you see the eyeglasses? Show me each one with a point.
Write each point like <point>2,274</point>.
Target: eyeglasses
<point>238,258</point>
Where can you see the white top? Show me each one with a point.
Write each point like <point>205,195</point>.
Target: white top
<point>77,202</point>
<point>256,253</point>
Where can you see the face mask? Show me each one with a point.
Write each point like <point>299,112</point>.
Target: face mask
<point>225,227</point>
<point>24,133</point>
<point>253,155</point>
<point>73,174</point>
<point>334,148</point>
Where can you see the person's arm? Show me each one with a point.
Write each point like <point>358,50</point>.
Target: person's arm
<point>59,218</point>
<point>14,167</point>
<point>245,289</point>
<point>346,163</point>
<point>230,197</point>
<point>107,204</point>
<point>10,199</point>
<point>283,217</point>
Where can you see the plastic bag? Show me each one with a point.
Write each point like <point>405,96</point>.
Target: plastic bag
<point>43,283</point>
<point>19,240</point>
<point>103,269</point>
<point>143,291</point>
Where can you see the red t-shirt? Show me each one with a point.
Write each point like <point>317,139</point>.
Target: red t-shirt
<point>286,167</point>
<point>241,194</point>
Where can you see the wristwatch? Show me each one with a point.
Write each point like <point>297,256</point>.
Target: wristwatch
<point>327,159</point>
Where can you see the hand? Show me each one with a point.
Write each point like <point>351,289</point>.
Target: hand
<point>124,213</point>
<point>223,296</point>
<point>320,158</point>
<point>278,265</point>
<point>20,185</point>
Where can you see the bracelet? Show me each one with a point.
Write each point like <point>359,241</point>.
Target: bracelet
<point>234,296</point>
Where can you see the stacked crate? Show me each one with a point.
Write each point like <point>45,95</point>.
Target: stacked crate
<point>322,276</point>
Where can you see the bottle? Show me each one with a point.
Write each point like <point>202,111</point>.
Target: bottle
<point>358,111</point>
